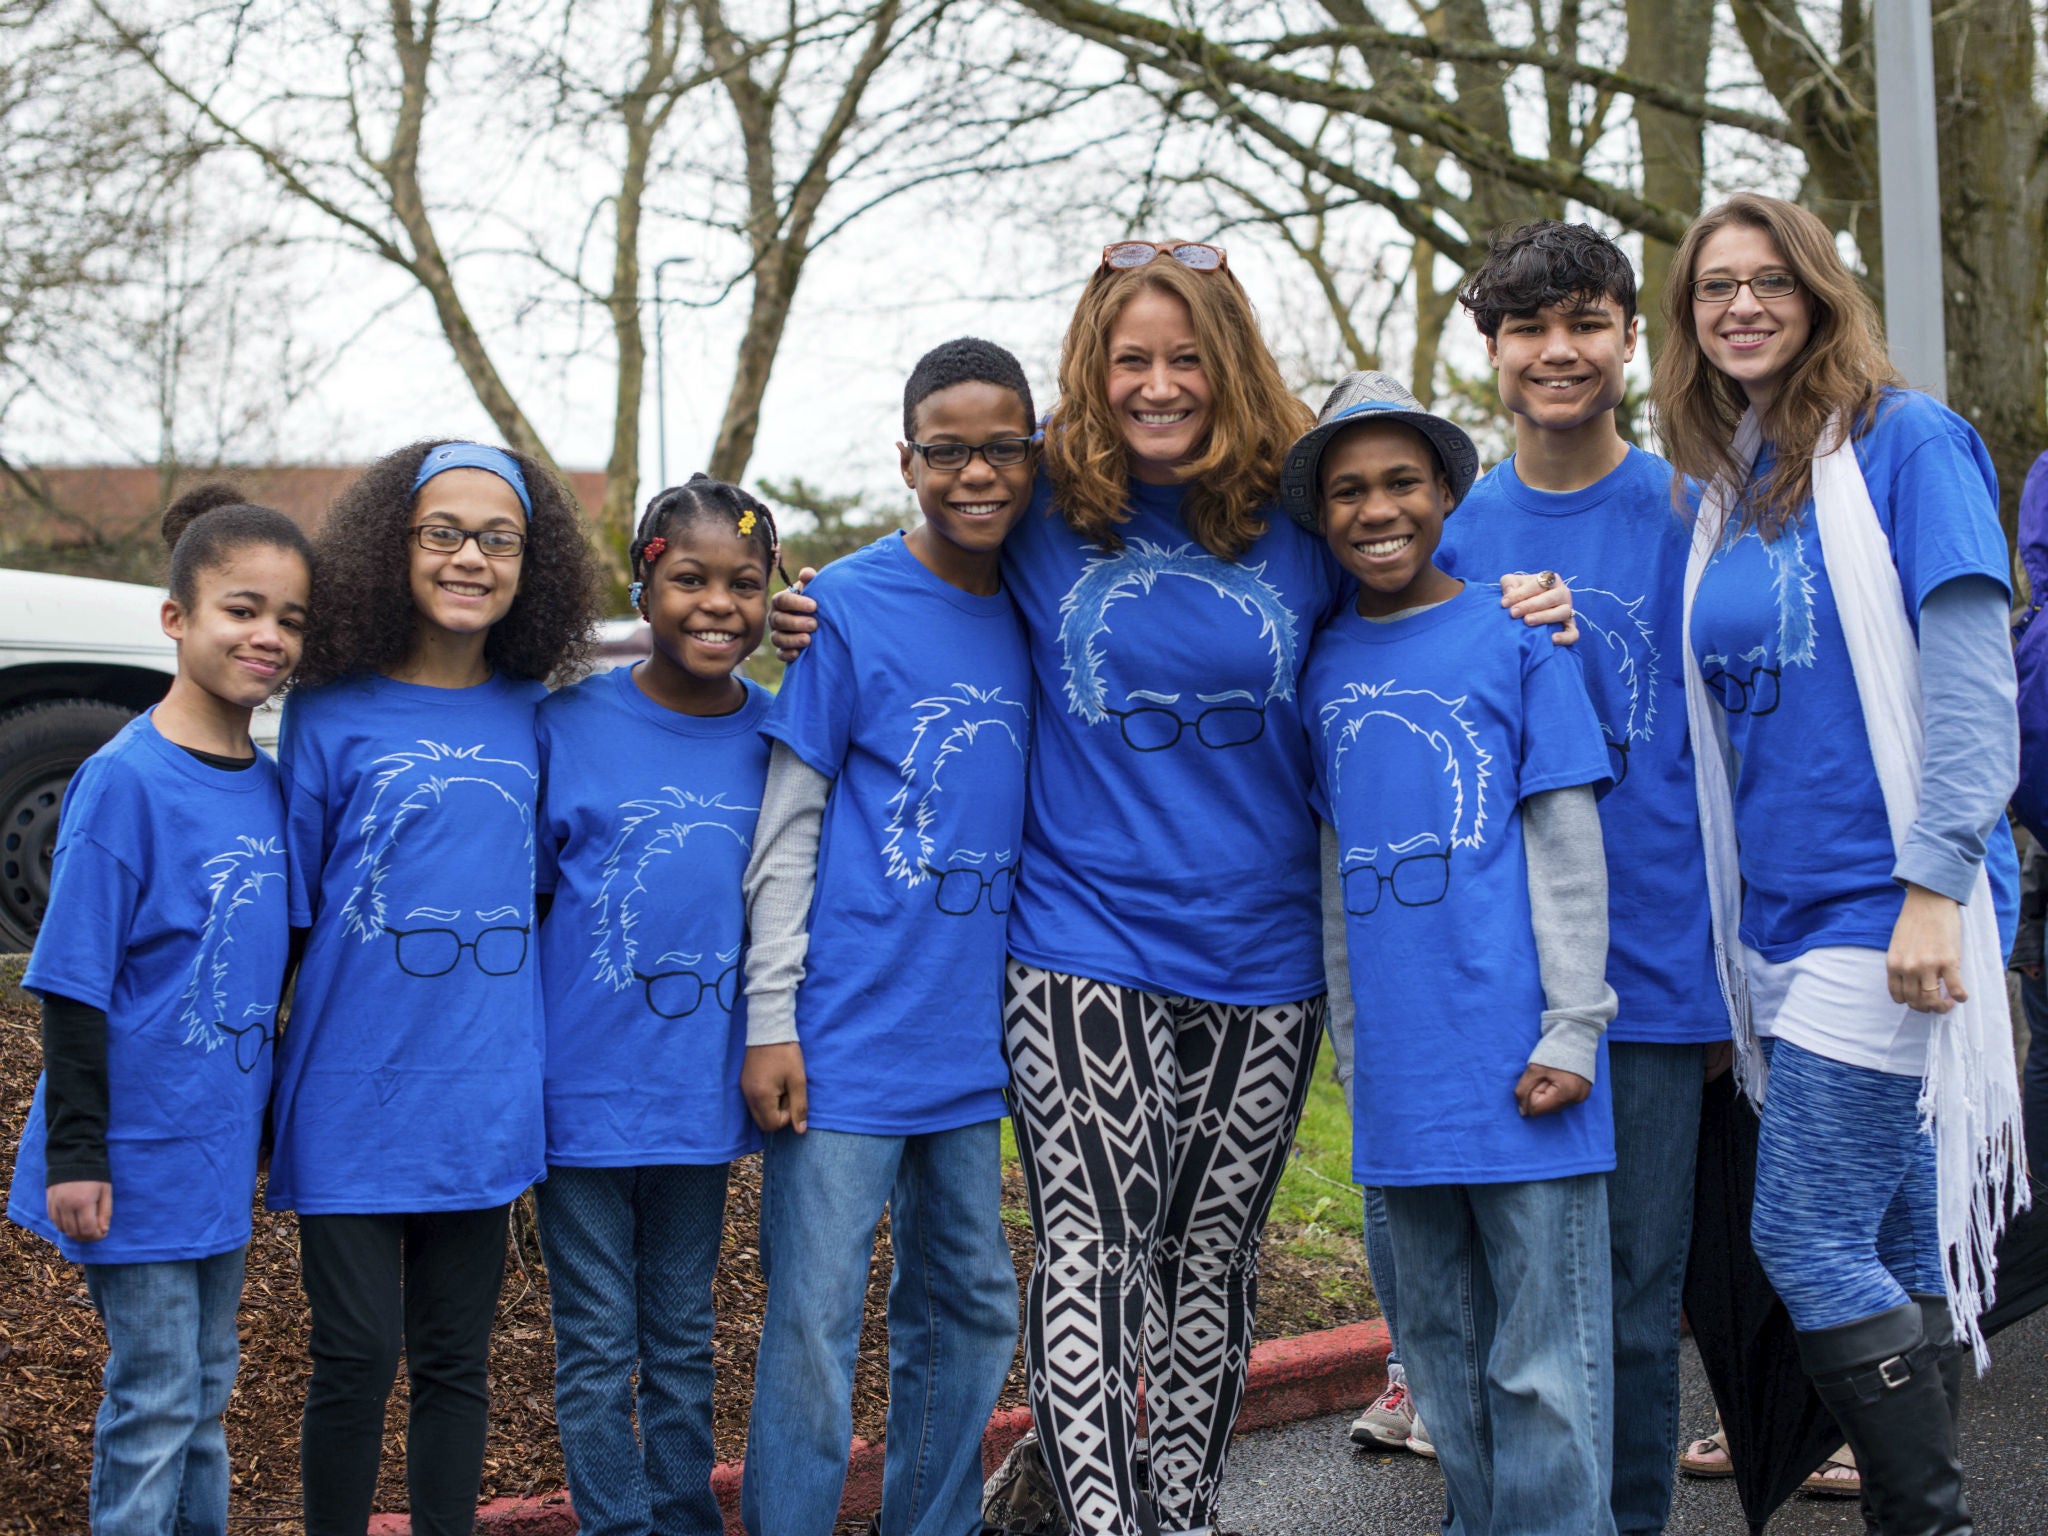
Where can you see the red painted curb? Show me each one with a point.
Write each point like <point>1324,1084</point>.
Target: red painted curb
<point>1290,1380</point>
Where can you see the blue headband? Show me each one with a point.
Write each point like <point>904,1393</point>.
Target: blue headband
<point>476,456</point>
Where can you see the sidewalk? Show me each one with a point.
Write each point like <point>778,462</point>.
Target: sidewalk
<point>1307,1479</point>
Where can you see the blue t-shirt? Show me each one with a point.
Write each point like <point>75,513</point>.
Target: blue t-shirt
<point>167,911</point>
<point>914,699</point>
<point>1428,734</point>
<point>647,820</point>
<point>1622,546</point>
<point>1817,852</point>
<point>1169,844</point>
<point>409,1075</point>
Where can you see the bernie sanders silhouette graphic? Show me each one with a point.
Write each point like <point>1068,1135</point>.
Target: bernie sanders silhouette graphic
<point>216,1009</point>
<point>1111,654</point>
<point>1750,682</point>
<point>1620,656</point>
<point>447,909</point>
<point>651,926</point>
<point>953,823</point>
<point>1409,781</point>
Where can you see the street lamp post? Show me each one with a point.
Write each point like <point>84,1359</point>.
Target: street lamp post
<point>661,370</point>
<point>1909,187</point>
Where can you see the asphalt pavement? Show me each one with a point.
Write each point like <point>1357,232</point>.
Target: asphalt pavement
<point>1308,1479</point>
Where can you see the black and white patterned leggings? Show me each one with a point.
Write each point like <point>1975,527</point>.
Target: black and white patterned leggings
<point>1153,1131</point>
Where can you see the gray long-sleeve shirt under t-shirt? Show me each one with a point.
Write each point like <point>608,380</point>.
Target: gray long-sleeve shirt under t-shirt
<point>1567,911</point>
<point>781,880</point>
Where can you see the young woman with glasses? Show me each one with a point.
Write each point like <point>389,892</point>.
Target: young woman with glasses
<point>1847,553</point>
<point>408,1100</point>
<point>1165,986</point>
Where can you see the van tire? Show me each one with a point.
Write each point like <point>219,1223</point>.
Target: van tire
<point>41,746</point>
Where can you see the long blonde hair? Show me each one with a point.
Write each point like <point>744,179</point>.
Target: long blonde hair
<point>1843,370</point>
<point>1254,417</point>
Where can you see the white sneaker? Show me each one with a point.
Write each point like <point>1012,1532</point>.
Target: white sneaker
<point>1418,1440</point>
<point>1389,1421</point>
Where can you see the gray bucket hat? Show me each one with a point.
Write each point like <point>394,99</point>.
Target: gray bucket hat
<point>1370,397</point>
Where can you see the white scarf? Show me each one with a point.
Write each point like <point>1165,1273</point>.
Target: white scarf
<point>1969,1094</point>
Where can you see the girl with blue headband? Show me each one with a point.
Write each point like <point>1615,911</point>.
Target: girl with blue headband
<point>408,1099</point>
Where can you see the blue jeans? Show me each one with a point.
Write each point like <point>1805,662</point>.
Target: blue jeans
<point>1510,1348</point>
<point>159,1454</point>
<point>1845,1218</point>
<point>631,1253</point>
<point>952,1325</point>
<point>1379,1265</point>
<point>1649,1219</point>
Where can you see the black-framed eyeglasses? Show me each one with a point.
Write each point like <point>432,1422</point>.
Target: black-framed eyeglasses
<point>678,994</point>
<point>1420,880</point>
<point>1152,728</point>
<point>1195,255</point>
<point>249,1042</point>
<point>1763,285</point>
<point>959,891</point>
<point>1617,760</point>
<point>437,951</point>
<point>1756,694</point>
<point>446,539</point>
<point>1000,452</point>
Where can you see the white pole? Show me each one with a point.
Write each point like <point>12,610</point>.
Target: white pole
<point>1909,184</point>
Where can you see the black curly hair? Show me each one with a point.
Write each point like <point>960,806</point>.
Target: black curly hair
<point>362,580</point>
<point>699,498</point>
<point>205,526</point>
<point>963,360</point>
<point>1545,263</point>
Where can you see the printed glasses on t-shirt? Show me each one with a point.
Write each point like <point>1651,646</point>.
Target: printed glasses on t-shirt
<point>1154,728</point>
<point>1419,880</point>
<point>678,994</point>
<point>959,891</point>
<point>1742,692</point>
<point>437,951</point>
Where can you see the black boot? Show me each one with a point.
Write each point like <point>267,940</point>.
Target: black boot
<point>1881,1377</point>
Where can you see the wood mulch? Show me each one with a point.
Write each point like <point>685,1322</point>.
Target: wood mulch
<point>52,1349</point>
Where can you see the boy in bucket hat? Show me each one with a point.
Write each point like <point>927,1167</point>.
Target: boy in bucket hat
<point>1457,758</point>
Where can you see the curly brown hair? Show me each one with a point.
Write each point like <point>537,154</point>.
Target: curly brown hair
<point>362,586</point>
<point>1256,417</point>
<point>1842,374</point>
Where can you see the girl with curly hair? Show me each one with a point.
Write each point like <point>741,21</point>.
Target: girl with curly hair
<point>408,1102</point>
<point>1165,985</point>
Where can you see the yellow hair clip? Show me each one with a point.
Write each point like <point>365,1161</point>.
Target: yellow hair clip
<point>746,524</point>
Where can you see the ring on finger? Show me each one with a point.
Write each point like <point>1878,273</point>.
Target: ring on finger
<point>1546,580</point>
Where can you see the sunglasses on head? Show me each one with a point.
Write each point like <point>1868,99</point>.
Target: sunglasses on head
<point>1126,255</point>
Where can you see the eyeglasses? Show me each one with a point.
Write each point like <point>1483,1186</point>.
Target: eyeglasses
<point>1756,694</point>
<point>444,539</point>
<point>1152,729</point>
<point>678,994</point>
<point>249,1042</point>
<point>959,890</point>
<point>1764,285</point>
<point>1000,452</point>
<point>1128,255</point>
<point>1420,880</point>
<point>437,951</point>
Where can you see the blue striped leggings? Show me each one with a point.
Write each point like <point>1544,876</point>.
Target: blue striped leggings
<point>1845,1219</point>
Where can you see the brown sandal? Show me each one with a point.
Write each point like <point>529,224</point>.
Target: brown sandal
<point>1822,1486</point>
<point>1707,1459</point>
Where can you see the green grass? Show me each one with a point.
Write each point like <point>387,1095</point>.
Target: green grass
<point>1316,1193</point>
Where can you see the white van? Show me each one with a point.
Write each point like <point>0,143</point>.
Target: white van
<point>78,658</point>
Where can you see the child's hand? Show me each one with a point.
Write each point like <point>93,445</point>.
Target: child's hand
<point>1545,598</point>
<point>790,618</point>
<point>81,1208</point>
<point>1546,1090</point>
<point>772,1082</point>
